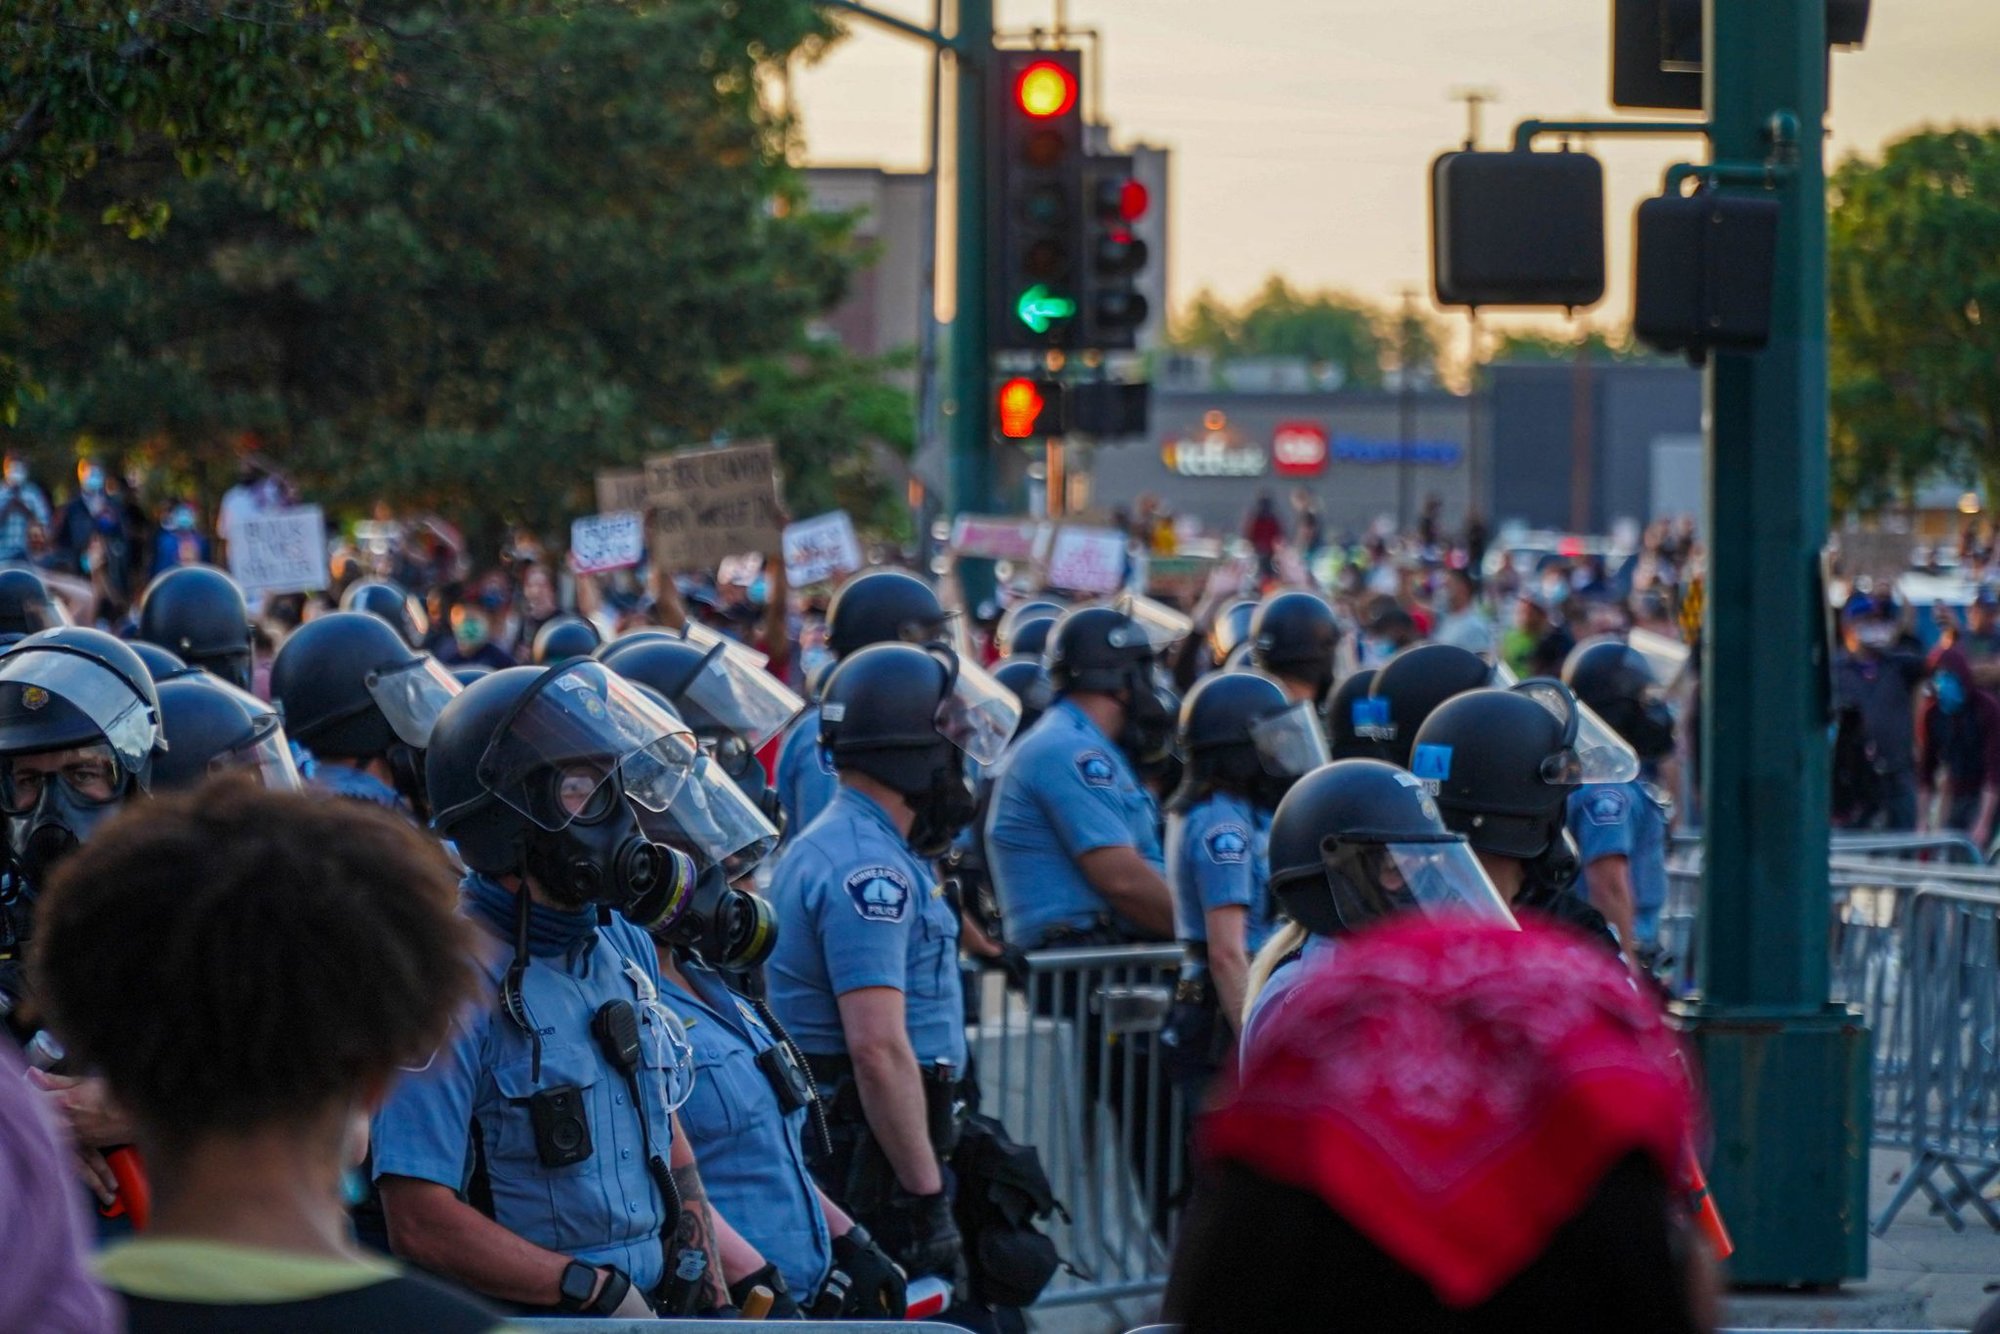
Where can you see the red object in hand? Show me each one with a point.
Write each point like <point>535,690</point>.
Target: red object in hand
<point>1701,1205</point>
<point>135,1195</point>
<point>927,1297</point>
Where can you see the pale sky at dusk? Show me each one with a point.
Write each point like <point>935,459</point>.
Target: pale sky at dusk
<point>1301,129</point>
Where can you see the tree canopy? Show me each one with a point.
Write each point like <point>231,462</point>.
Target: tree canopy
<point>1333,330</point>
<point>1915,315</point>
<point>580,244</point>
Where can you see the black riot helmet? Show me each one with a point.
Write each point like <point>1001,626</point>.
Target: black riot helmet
<point>1029,681</point>
<point>1616,680</point>
<point>26,605</point>
<point>466,673</point>
<point>198,613</point>
<point>212,727</point>
<point>81,696</point>
<point>543,772</point>
<point>907,717</point>
<point>1348,709</point>
<point>1102,649</point>
<point>1357,840</point>
<point>160,663</point>
<point>1018,615</point>
<point>350,688</point>
<point>1231,628</point>
<point>1030,638</point>
<point>562,638</point>
<point>881,607</point>
<point>394,604</point>
<point>1413,683</point>
<point>1238,731</point>
<point>1294,635</point>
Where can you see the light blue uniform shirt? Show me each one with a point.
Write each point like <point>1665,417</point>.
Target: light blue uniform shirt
<point>857,908</point>
<point>1623,820</point>
<point>806,781</point>
<point>356,785</point>
<point>604,1210</point>
<point>752,1159</point>
<point>1061,790</point>
<point>1283,982</point>
<point>1218,856</point>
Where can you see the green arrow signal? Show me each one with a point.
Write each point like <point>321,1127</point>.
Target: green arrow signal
<point>1039,308</point>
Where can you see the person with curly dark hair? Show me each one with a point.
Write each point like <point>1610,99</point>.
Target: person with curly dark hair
<point>249,971</point>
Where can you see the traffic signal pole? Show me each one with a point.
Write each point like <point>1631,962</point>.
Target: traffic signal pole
<point>970,437</point>
<point>1787,1072</point>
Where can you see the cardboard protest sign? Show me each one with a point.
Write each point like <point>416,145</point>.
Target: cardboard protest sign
<point>280,551</point>
<point>821,548</point>
<point>998,538</point>
<point>710,503</point>
<point>1087,560</point>
<point>600,542</point>
<point>621,491</point>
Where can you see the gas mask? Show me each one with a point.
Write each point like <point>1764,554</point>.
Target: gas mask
<point>1148,734</point>
<point>1648,725</point>
<point>49,814</point>
<point>1554,870</point>
<point>727,927</point>
<point>602,857</point>
<point>942,809</point>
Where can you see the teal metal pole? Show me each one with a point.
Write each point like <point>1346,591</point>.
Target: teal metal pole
<point>966,407</point>
<point>1787,1072</point>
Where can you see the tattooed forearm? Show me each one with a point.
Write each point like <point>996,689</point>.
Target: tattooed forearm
<point>696,1231</point>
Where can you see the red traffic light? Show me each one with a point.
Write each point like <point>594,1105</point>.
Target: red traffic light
<point>1044,90</point>
<point>1021,403</point>
<point>1132,201</point>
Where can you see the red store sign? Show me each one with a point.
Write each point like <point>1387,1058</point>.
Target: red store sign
<point>1299,449</point>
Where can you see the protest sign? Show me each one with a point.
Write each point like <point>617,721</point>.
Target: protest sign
<point>997,538</point>
<point>279,551</point>
<point>821,548</point>
<point>1087,560</point>
<point>621,491</point>
<point>711,503</point>
<point>600,542</point>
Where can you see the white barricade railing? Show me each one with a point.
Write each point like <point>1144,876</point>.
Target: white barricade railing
<point>1070,1063</point>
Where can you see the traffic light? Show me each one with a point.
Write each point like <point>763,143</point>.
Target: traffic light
<point>1114,255</point>
<point>1656,49</point>
<point>1034,187</point>
<point>1028,409</point>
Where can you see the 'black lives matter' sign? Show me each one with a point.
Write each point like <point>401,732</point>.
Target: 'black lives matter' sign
<point>711,503</point>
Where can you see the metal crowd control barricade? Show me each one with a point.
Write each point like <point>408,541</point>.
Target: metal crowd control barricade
<point>1070,1063</point>
<point>1951,993</point>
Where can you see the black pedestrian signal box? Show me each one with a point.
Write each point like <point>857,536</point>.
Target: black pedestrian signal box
<point>1703,272</point>
<point>1656,49</point>
<point>1108,410</point>
<point>1517,229</point>
<point>1034,161</point>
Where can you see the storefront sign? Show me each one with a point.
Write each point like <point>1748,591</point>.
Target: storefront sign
<point>1215,456</point>
<point>1299,449</point>
<point>1422,453</point>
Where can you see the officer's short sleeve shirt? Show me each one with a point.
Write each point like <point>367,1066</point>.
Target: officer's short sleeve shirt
<point>806,782</point>
<point>1218,856</point>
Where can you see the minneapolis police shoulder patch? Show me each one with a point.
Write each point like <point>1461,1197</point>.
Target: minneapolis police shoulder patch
<point>879,893</point>
<point>1227,844</point>
<point>1605,806</point>
<point>1096,768</point>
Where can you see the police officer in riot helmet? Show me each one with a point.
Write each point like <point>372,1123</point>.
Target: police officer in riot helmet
<point>198,613</point>
<point>1293,637</point>
<point>394,604</point>
<point>878,606</point>
<point>1621,827</point>
<point>363,702</point>
<point>563,638</point>
<point>1029,681</point>
<point>1018,617</point>
<point>212,728</point>
<point>1030,637</point>
<point>1348,710</point>
<point>1231,628</point>
<point>865,973</point>
<point>1502,765</point>
<point>1244,745</point>
<point>160,663</point>
<point>1413,683</point>
<point>26,605</point>
<point>1353,842</point>
<point>733,707</point>
<point>539,778</point>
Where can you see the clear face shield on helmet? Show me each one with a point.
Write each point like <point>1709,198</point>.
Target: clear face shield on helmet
<point>1438,878</point>
<point>977,714</point>
<point>1164,626</point>
<point>1595,753</point>
<point>555,758</point>
<point>411,696</point>
<point>712,820</point>
<point>112,705</point>
<point>266,752</point>
<point>744,700</point>
<point>1290,743</point>
<point>695,632</point>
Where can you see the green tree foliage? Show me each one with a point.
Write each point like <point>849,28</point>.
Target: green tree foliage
<point>588,247</point>
<point>1915,315</point>
<point>1531,346</point>
<point>1323,329</point>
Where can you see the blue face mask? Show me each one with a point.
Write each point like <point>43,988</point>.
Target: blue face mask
<point>1950,692</point>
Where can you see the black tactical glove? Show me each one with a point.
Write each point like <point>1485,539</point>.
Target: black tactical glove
<point>918,1233</point>
<point>876,1288</point>
<point>782,1305</point>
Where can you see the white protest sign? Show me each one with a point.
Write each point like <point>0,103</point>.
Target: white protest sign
<point>997,537</point>
<point>821,548</point>
<point>1087,560</point>
<point>280,551</point>
<point>599,542</point>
